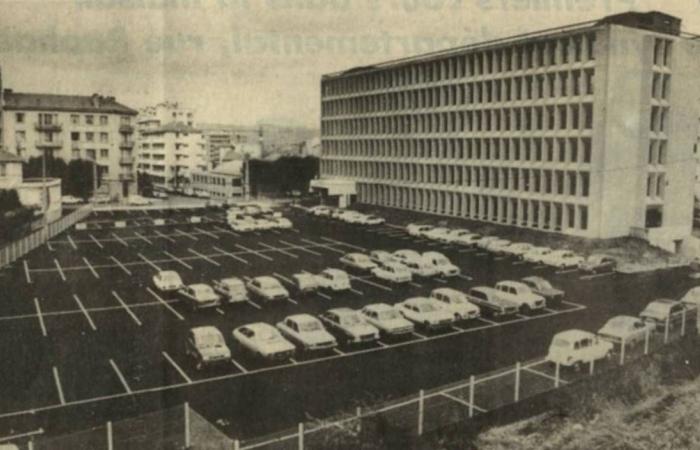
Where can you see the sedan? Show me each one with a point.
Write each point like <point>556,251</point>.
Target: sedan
<point>167,281</point>
<point>426,312</point>
<point>417,230</point>
<point>562,259</point>
<point>441,263</point>
<point>137,200</point>
<point>387,319</point>
<point>393,272</point>
<point>242,226</point>
<point>627,329</point>
<point>381,256</point>
<point>351,325</point>
<point>440,234</point>
<point>497,246</point>
<point>455,302</point>
<point>540,286</point>
<point>358,261</point>
<point>267,288</point>
<point>264,340</point>
<point>537,254</point>
<point>517,249</point>
<point>456,233</point>
<point>70,200</point>
<point>200,296</point>
<point>598,263</point>
<point>307,332</point>
<point>206,345</point>
<point>232,288</point>
<point>282,223</point>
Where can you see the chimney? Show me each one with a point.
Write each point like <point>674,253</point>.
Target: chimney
<point>95,100</point>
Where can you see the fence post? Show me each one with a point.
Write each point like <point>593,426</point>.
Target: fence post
<point>683,323</point>
<point>622,351</point>
<point>236,444</point>
<point>188,438</point>
<point>30,444</point>
<point>110,438</point>
<point>556,375</point>
<point>421,399</point>
<point>646,341</point>
<point>471,396</point>
<point>517,381</point>
<point>592,367</point>
<point>300,440</point>
<point>358,414</point>
<point>668,320</point>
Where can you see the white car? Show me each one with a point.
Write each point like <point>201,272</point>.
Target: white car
<point>455,234</point>
<point>497,246</point>
<point>442,263</point>
<point>381,256</point>
<point>426,312</point>
<point>160,195</point>
<point>268,288</point>
<point>264,224</point>
<point>232,289</point>
<point>70,200</point>
<point>455,302</point>
<point>307,332</point>
<point>628,329</point>
<point>137,200</point>
<point>305,282</point>
<point>517,249</point>
<point>573,348</point>
<point>282,223</point>
<point>251,210</point>
<point>485,241</point>
<point>415,262</point>
<point>199,296</point>
<point>520,293</point>
<point>349,216</point>
<point>373,220</point>
<point>351,325</point>
<point>393,272</point>
<point>334,279</point>
<point>537,254</point>
<point>407,255</point>
<point>418,230</point>
<point>242,226</point>
<point>468,240</point>
<point>264,340</point>
<point>207,346</point>
<point>387,319</point>
<point>167,281</point>
<point>358,261</point>
<point>320,210</point>
<point>440,234</point>
<point>562,259</point>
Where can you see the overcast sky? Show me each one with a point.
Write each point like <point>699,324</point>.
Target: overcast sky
<point>244,61</point>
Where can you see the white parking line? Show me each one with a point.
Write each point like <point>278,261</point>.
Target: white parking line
<point>224,252</point>
<point>220,311</point>
<point>414,284</point>
<point>255,252</point>
<point>224,230</point>
<point>60,271</point>
<point>70,239</point>
<point>278,250</point>
<point>59,388</point>
<point>126,308</point>
<point>355,291</point>
<point>518,263</point>
<point>283,278</point>
<point>177,260</point>
<point>164,303</point>
<point>85,313</point>
<point>164,236</point>
<point>382,344</point>
<point>26,272</point>
<point>545,375</point>
<point>176,367</point>
<point>465,277</point>
<point>372,283</point>
<point>118,263</point>
<point>208,233</point>
<point>300,248</point>
<point>253,304</point>
<point>467,250</point>
<point>462,401</point>
<point>96,241</point>
<point>143,238</point>
<point>418,335</point>
<point>345,244</point>
<point>327,297</point>
<point>440,280</point>
<point>337,351</point>
<point>328,247</point>
<point>92,269</point>
<point>149,262</point>
<point>204,257</point>
<point>40,316</point>
<point>120,376</point>
<point>240,367</point>
<point>186,234</point>
<point>569,270</point>
<point>120,239</point>
<point>292,301</point>
<point>490,322</point>
<point>597,275</point>
<point>48,244</point>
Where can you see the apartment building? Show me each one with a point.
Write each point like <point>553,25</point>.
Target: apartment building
<point>586,130</point>
<point>225,182</point>
<point>94,127</point>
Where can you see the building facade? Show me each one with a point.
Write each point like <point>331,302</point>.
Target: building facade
<point>586,130</point>
<point>224,182</point>
<point>70,127</point>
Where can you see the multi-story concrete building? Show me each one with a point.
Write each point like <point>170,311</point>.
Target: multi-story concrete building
<point>224,182</point>
<point>586,130</point>
<point>69,127</point>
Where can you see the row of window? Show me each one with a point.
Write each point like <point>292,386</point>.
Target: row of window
<point>532,87</point>
<point>547,215</point>
<point>90,153</point>
<point>88,119</point>
<point>554,150</point>
<point>575,116</point>
<point>217,180</point>
<point>531,55</point>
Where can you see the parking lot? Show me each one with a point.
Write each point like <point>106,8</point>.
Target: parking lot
<point>86,335</point>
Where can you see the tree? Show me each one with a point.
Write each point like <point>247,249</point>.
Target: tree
<point>76,176</point>
<point>144,183</point>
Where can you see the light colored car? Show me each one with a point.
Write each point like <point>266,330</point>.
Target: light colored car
<point>468,240</point>
<point>358,261</point>
<point>521,294</point>
<point>159,194</point>
<point>202,194</point>
<point>536,255</point>
<point>251,210</point>
<point>628,329</point>
<point>70,200</point>
<point>207,346</point>
<point>381,256</point>
<point>349,216</point>
<point>663,310</point>
<point>440,234</point>
<point>242,226</point>
<point>598,263</point>
<point>281,223</point>
<point>373,220</point>
<point>393,272</point>
<point>305,282</point>
<point>306,332</point>
<point>425,312</point>
<point>517,249</point>
<point>562,259</point>
<point>268,288</point>
<point>540,286</point>
<point>334,279</point>
<point>497,246</point>
<point>232,289</point>
<point>455,302</point>
<point>442,263</point>
<point>490,302</point>
<point>199,296</point>
<point>456,233</point>
<point>167,281</point>
<point>407,255</point>
<point>574,348</point>
<point>320,210</point>
<point>137,200</point>
<point>264,341</point>
<point>264,224</point>
<point>351,325</point>
<point>100,198</point>
<point>387,319</point>
<point>418,230</point>
<point>485,241</point>
<point>416,264</point>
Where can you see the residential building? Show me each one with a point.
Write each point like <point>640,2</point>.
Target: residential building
<point>221,139</point>
<point>69,127</point>
<point>585,130</point>
<point>224,182</point>
<point>164,112</point>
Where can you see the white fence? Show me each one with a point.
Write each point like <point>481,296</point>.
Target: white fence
<point>15,250</point>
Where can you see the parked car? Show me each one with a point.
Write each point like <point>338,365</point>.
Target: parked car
<point>497,246</point>
<point>381,256</point>
<point>264,341</point>
<point>517,249</point>
<point>251,210</point>
<point>490,302</point>
<point>373,220</point>
<point>629,329</point>
<point>358,261</point>
<point>485,241</point>
<point>320,210</point>
<point>455,302</point>
<point>440,234</point>
<point>393,272</point>
<point>160,194</point>
<point>167,281</point>
<point>70,200</point>
<point>521,294</point>
<point>573,348</point>
<point>306,332</point>
<point>416,264</point>
<point>468,240</point>
<point>351,325</point>
<point>100,198</point>
<point>540,286</point>
<point>305,282</point>
<point>456,233</point>
<point>268,288</point>
<point>232,289</point>
<point>562,259</point>
<point>334,279</point>
<point>407,255</point>
<point>598,263</point>
<point>199,296</point>
<point>242,226</point>
<point>281,223</point>
<point>536,255</point>
<point>663,310</point>
<point>137,200</point>
<point>417,230</point>
<point>207,346</point>
<point>386,319</point>
<point>442,263</point>
<point>264,224</point>
<point>426,312</point>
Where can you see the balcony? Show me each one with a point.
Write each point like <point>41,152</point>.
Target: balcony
<point>44,143</point>
<point>126,144</point>
<point>55,127</point>
<point>126,160</point>
<point>125,128</point>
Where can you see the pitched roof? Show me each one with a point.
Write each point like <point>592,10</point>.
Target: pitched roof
<point>73,103</point>
<point>172,127</point>
<point>9,157</point>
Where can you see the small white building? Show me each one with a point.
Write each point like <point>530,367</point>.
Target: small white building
<point>224,182</point>
<point>32,192</point>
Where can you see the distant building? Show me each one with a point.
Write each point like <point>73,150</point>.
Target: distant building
<point>32,192</point>
<point>220,139</point>
<point>162,113</point>
<point>223,182</point>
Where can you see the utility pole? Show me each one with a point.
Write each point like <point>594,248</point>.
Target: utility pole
<point>246,175</point>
